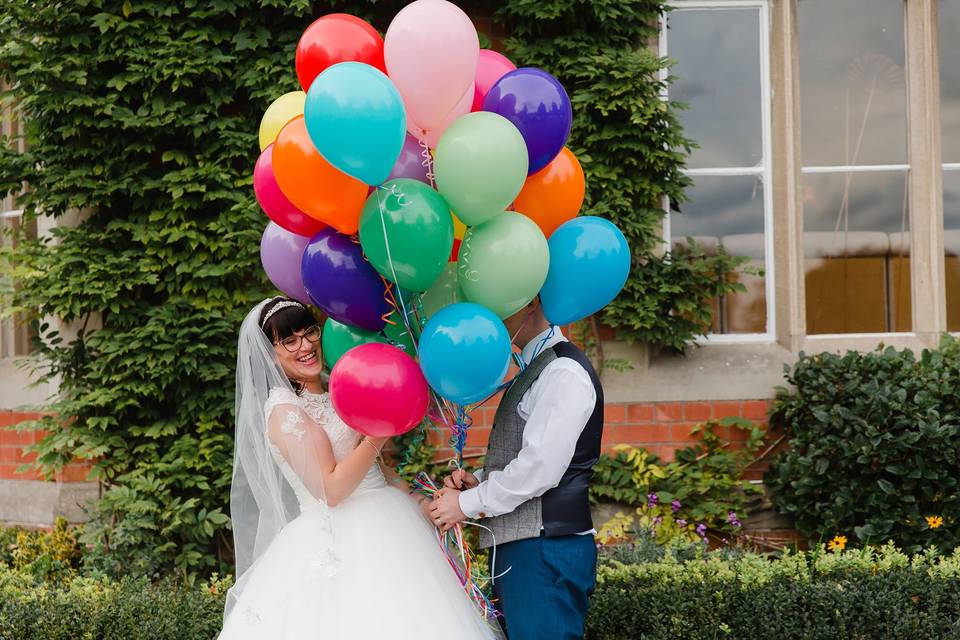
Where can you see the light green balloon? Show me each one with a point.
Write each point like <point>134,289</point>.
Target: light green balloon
<point>503,263</point>
<point>444,292</point>
<point>480,166</point>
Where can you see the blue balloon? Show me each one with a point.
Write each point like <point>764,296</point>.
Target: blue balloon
<point>537,104</point>
<point>355,117</point>
<point>589,264</point>
<point>465,352</point>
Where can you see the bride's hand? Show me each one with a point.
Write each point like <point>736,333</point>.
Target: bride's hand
<point>376,442</point>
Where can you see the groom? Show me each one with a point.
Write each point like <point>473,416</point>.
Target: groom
<point>533,491</point>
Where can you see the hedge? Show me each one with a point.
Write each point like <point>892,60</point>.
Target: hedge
<point>875,594</point>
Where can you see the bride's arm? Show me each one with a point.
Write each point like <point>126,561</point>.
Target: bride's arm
<point>306,448</point>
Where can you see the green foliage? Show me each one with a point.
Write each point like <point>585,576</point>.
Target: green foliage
<point>852,595</point>
<point>874,446</point>
<point>632,149</point>
<point>706,480</point>
<point>145,116</point>
<point>109,610</point>
<point>52,556</point>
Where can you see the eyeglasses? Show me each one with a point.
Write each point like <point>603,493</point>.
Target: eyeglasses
<point>294,342</point>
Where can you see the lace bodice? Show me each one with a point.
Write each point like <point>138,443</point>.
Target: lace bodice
<point>343,439</point>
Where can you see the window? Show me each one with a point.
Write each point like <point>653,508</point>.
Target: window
<point>14,333</point>
<point>856,242</point>
<point>950,154</point>
<point>721,70</point>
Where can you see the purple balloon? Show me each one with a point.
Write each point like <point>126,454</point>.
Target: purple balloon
<point>537,104</point>
<point>341,281</point>
<point>280,254</point>
<point>410,163</point>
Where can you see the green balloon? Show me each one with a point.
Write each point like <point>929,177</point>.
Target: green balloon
<point>339,338</point>
<point>398,335</point>
<point>445,291</point>
<point>503,263</point>
<point>480,165</point>
<point>417,222</point>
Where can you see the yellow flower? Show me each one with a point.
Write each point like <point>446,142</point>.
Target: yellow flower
<point>934,522</point>
<point>838,543</point>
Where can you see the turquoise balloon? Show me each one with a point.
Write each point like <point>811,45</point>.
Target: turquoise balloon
<point>355,118</point>
<point>465,352</point>
<point>589,264</point>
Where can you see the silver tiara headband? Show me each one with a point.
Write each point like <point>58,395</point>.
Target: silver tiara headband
<point>277,307</point>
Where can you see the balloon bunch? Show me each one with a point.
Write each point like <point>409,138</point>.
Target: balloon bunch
<point>412,186</point>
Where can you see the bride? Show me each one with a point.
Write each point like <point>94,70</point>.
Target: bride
<point>326,547</point>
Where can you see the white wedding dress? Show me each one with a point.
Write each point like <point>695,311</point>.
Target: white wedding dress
<point>365,569</point>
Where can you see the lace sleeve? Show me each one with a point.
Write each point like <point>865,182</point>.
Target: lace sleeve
<point>279,397</point>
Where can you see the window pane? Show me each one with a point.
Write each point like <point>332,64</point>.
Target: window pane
<point>852,83</point>
<point>717,54</point>
<point>856,252</point>
<point>951,245</point>
<point>950,80</point>
<point>728,210</point>
<point>14,331</point>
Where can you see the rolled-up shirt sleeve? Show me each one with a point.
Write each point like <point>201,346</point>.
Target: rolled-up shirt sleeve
<point>563,400</point>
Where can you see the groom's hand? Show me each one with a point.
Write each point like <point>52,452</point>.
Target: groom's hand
<point>460,479</point>
<point>445,509</point>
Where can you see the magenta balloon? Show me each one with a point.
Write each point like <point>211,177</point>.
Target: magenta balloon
<point>281,253</point>
<point>378,390</point>
<point>276,205</point>
<point>410,164</point>
<point>490,67</point>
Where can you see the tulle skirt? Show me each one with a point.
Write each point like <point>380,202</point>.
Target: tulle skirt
<point>383,576</point>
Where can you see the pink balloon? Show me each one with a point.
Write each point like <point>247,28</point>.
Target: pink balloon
<point>490,67</point>
<point>432,137</point>
<point>280,254</point>
<point>431,51</point>
<point>378,390</point>
<point>276,205</point>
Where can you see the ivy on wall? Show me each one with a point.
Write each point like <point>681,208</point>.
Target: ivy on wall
<point>143,115</point>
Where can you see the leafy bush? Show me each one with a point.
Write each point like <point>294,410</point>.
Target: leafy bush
<point>109,610</point>
<point>874,446</point>
<point>705,480</point>
<point>855,595</point>
<point>52,556</point>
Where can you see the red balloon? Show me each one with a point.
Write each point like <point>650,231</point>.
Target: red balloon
<point>337,37</point>
<point>378,390</point>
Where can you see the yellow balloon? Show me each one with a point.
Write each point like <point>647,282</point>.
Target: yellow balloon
<point>459,229</point>
<point>283,110</point>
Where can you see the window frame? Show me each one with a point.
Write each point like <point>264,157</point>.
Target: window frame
<point>763,169</point>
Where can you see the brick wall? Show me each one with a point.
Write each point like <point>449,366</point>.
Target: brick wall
<point>12,444</point>
<point>658,427</point>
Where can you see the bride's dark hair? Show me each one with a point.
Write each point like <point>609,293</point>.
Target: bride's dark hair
<point>284,322</point>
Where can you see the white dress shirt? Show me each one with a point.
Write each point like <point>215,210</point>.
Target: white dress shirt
<point>556,409</point>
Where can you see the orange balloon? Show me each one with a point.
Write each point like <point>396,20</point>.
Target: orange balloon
<point>554,194</point>
<point>314,185</point>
